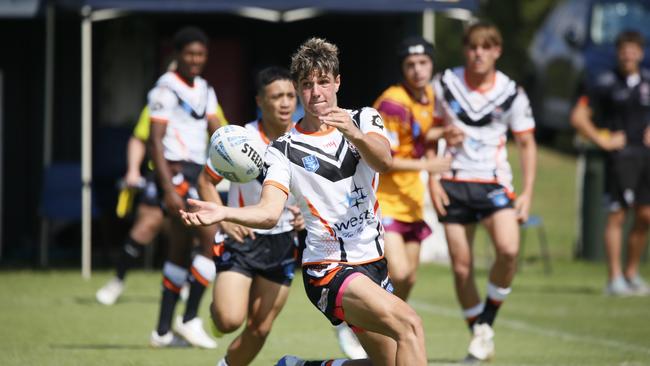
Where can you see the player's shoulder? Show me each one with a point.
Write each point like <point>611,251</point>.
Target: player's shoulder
<point>282,143</point>
<point>364,115</point>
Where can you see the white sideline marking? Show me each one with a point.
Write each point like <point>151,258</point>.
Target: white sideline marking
<point>526,327</point>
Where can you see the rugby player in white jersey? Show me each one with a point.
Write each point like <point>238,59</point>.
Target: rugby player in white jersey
<point>330,162</point>
<point>478,105</point>
<point>183,113</point>
<point>255,267</point>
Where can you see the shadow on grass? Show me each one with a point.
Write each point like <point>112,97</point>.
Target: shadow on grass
<point>557,290</point>
<point>129,299</point>
<point>444,361</point>
<point>98,346</point>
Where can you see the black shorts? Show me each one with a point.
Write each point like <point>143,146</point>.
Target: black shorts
<point>471,202</point>
<point>270,256</point>
<point>628,178</point>
<point>185,184</point>
<point>326,292</point>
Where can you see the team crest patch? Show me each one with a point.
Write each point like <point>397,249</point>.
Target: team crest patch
<point>310,163</point>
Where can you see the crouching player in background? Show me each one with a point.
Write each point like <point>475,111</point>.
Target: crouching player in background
<point>330,163</point>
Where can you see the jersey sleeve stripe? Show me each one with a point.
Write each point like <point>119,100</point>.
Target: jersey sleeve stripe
<point>532,129</point>
<point>277,185</point>
<point>159,120</point>
<point>214,175</point>
<point>314,212</point>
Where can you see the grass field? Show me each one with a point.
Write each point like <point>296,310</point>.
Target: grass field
<point>51,317</point>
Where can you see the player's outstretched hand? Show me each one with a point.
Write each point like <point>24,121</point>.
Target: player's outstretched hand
<point>340,119</point>
<point>202,213</point>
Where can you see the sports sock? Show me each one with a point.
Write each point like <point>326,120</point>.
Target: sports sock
<point>202,273</point>
<point>472,314</point>
<point>495,297</point>
<point>173,278</point>
<point>131,252</point>
<point>222,362</point>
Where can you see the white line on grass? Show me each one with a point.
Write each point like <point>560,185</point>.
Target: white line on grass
<point>526,327</point>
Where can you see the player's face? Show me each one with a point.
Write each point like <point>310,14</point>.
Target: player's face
<point>278,102</point>
<point>192,59</point>
<point>417,71</point>
<point>629,56</point>
<point>481,57</point>
<point>318,92</point>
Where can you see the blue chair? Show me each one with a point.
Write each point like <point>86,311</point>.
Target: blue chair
<point>60,200</point>
<point>535,222</point>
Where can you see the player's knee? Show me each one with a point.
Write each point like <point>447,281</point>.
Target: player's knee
<point>400,276</point>
<point>462,269</point>
<point>409,324</point>
<point>259,330</point>
<point>508,253</point>
<point>226,322</point>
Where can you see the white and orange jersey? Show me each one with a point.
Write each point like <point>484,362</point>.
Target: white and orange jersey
<point>185,110</point>
<point>485,117</point>
<point>335,190</point>
<point>246,194</point>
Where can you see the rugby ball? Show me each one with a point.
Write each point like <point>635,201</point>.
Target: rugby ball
<point>236,154</point>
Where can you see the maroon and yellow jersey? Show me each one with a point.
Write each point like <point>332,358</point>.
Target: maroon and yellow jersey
<point>401,193</point>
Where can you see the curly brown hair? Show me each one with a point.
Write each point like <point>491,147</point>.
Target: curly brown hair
<point>315,55</point>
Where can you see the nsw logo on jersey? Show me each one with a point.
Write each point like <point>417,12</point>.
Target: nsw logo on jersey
<point>310,162</point>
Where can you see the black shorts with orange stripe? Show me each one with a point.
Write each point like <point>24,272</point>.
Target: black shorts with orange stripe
<point>471,202</point>
<point>270,256</point>
<point>326,292</point>
<point>185,183</point>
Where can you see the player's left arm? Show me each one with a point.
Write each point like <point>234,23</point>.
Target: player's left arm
<point>373,147</point>
<point>522,125</point>
<point>528,156</point>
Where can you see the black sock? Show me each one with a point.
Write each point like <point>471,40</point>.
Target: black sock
<point>131,252</point>
<point>490,311</point>
<point>314,363</point>
<point>471,321</point>
<point>167,305</point>
<point>197,288</point>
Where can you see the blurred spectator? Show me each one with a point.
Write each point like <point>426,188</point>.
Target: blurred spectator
<point>613,111</point>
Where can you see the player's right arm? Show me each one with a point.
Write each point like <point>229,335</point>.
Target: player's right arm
<point>264,215</point>
<point>582,122</point>
<point>161,102</point>
<point>135,152</point>
<point>207,182</point>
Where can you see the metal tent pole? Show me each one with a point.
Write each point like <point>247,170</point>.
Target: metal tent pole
<point>86,141</point>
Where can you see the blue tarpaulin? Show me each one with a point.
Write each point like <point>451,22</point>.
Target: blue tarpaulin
<point>397,6</point>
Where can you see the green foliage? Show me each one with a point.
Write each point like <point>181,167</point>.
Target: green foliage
<point>517,20</point>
